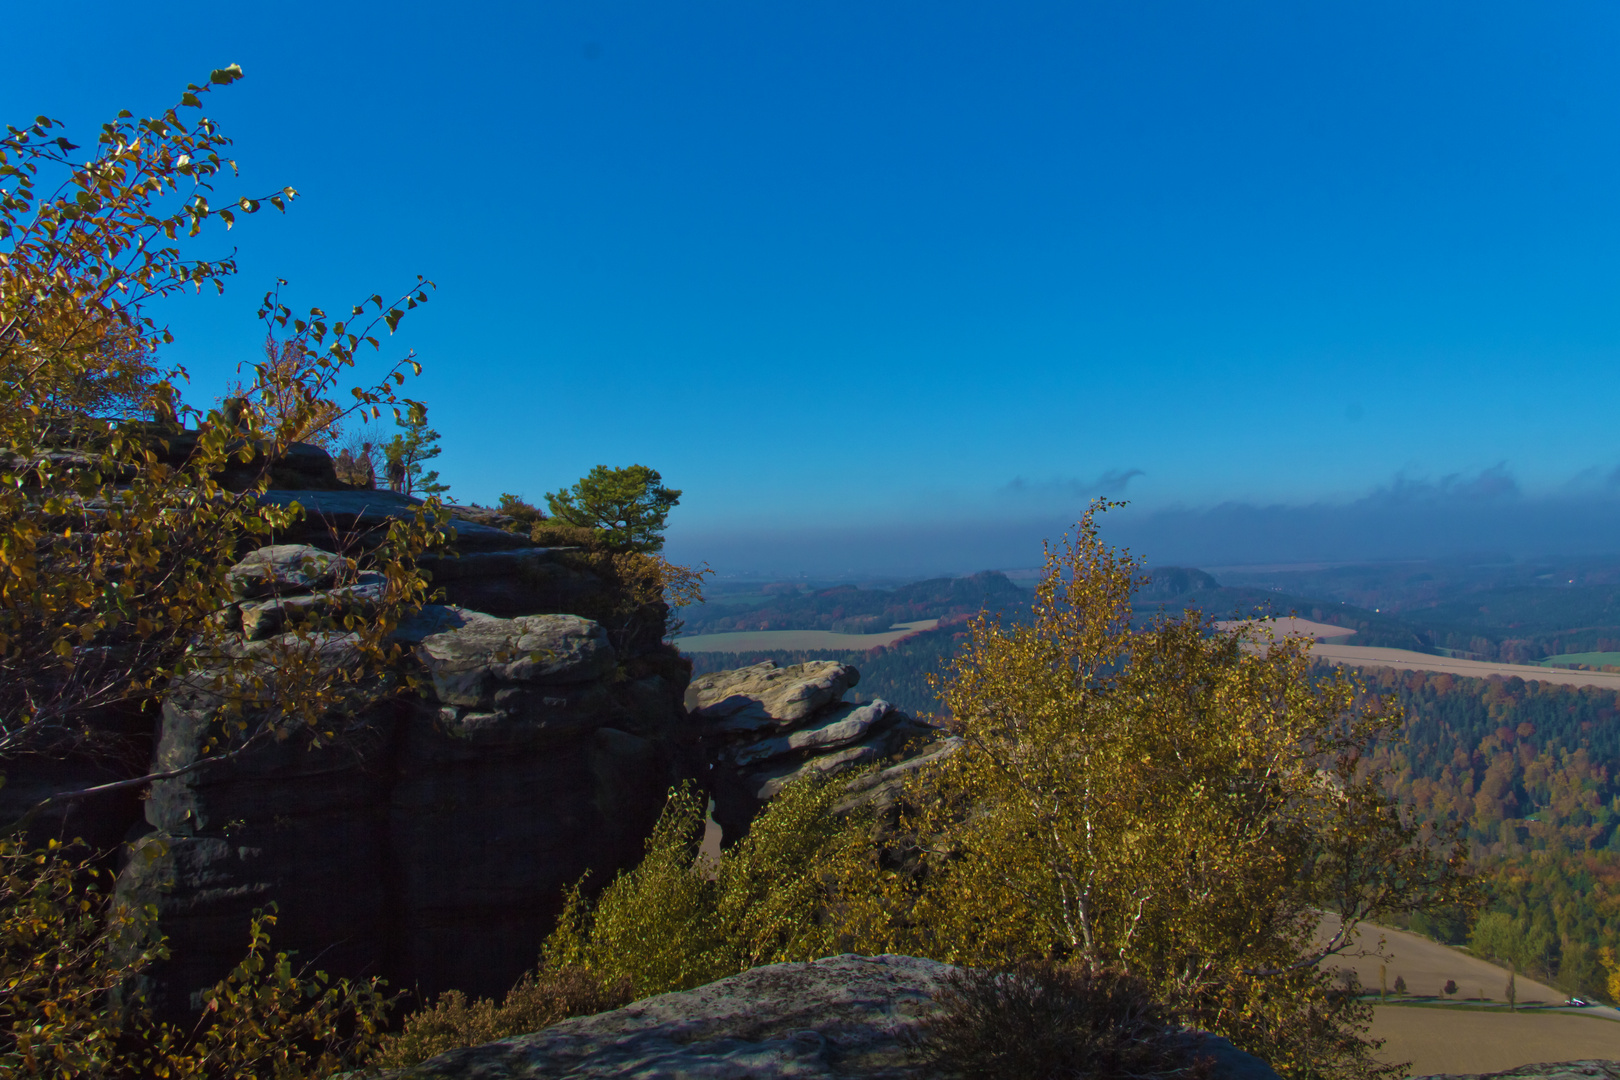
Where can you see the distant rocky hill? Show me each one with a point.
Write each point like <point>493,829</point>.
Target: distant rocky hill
<point>899,672</point>
<point>849,609</point>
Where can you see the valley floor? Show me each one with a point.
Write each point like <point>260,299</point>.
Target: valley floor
<point>1451,1040</point>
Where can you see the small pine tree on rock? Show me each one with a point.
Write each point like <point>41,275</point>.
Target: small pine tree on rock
<point>406,452</point>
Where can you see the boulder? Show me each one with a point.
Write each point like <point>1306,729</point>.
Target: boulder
<point>472,663</point>
<point>283,568</point>
<point>762,727</point>
<point>840,1017</point>
<point>1558,1070</point>
<point>836,727</point>
<point>766,696</point>
<point>270,617</point>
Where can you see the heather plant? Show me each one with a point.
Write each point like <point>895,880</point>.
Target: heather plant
<point>1047,1021</point>
<point>540,999</point>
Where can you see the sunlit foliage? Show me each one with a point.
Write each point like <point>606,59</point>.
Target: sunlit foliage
<point>627,508</point>
<point>66,950</point>
<point>1165,801</point>
<point>680,919</point>
<point>115,539</point>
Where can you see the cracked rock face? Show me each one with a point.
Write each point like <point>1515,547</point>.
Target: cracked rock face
<point>430,842</point>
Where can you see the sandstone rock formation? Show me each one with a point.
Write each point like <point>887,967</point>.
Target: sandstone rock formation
<point>762,727</point>
<point>1556,1070</point>
<point>432,842</point>
<point>844,1016</point>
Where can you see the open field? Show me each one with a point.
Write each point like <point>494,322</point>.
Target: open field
<point>1468,1038</point>
<point>1405,660</point>
<point>1292,626</point>
<point>1446,1040</point>
<point>768,640</point>
<point>1595,659</point>
<point>1426,965</point>
<point>1330,645</point>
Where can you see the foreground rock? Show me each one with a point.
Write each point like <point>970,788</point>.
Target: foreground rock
<point>1557,1070</point>
<point>762,727</point>
<point>432,841</point>
<point>845,1016</point>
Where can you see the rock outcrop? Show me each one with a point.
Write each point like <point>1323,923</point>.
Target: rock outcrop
<point>844,1016</point>
<point>431,842</point>
<point>762,727</point>
<point>1555,1070</point>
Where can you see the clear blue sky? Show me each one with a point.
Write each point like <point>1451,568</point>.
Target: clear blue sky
<point>845,270</point>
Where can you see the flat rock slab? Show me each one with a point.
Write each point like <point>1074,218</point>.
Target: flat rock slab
<point>841,1017</point>
<point>838,1017</point>
<point>840,726</point>
<point>766,696</point>
<point>357,509</point>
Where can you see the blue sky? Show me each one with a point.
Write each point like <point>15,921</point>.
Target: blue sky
<point>871,280</point>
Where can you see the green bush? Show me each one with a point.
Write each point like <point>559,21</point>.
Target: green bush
<point>67,953</point>
<point>680,920</point>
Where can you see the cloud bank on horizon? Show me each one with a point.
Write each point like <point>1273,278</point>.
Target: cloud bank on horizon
<point>1487,514</point>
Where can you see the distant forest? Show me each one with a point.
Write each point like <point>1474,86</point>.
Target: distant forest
<point>899,672</point>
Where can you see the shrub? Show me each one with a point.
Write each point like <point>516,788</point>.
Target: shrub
<point>539,1000</point>
<point>679,920</point>
<point>117,536</point>
<point>524,514</point>
<point>644,590</point>
<point>66,951</point>
<point>1040,1021</point>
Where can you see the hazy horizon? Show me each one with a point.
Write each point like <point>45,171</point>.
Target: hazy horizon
<point>900,287</point>
<point>1486,516</point>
